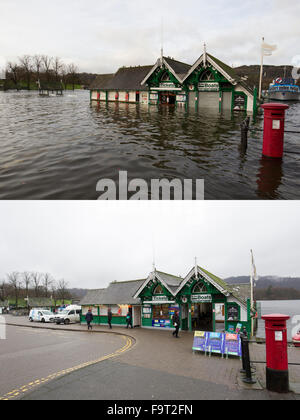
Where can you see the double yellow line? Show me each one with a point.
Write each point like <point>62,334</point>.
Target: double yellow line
<point>25,388</point>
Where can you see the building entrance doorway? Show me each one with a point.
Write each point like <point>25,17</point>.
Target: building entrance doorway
<point>167,98</point>
<point>202,316</point>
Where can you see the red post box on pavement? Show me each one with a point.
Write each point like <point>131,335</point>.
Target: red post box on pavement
<point>276,350</point>
<point>274,122</point>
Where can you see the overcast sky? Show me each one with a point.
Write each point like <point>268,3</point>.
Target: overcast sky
<point>101,36</point>
<point>90,244</point>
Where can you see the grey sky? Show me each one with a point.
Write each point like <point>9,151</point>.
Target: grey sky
<point>100,36</point>
<point>92,243</point>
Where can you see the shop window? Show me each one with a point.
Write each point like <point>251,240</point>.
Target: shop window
<point>158,290</point>
<point>200,288</point>
<point>160,312</point>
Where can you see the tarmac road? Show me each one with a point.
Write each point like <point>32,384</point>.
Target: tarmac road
<point>31,357</point>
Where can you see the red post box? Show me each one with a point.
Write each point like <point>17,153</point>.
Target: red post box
<point>274,120</point>
<point>277,372</point>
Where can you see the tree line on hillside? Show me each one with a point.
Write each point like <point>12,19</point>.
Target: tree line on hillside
<point>270,73</point>
<point>277,293</point>
<point>28,70</point>
<point>32,284</point>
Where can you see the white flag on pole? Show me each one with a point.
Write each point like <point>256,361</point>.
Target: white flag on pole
<point>268,49</point>
<point>254,272</point>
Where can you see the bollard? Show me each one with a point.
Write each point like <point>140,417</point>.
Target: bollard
<point>244,133</point>
<point>277,372</point>
<point>246,359</point>
<point>274,121</point>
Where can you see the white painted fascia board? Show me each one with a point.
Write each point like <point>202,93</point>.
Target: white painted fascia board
<point>172,71</point>
<point>150,72</point>
<point>223,72</point>
<point>194,66</point>
<point>209,279</point>
<point>150,277</point>
<point>211,61</point>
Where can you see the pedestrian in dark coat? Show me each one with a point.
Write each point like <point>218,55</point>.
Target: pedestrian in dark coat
<point>129,319</point>
<point>176,323</point>
<point>89,318</point>
<point>109,317</point>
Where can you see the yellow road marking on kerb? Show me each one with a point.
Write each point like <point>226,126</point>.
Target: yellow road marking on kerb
<point>31,385</point>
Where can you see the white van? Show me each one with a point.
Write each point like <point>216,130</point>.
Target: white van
<point>69,315</point>
<point>41,315</point>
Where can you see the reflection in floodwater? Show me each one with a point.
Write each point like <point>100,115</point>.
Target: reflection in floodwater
<point>269,178</point>
<point>59,148</point>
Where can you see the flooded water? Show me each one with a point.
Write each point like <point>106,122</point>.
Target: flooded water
<point>60,147</point>
<point>286,307</point>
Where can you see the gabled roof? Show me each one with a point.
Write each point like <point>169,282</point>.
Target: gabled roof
<point>223,68</point>
<point>92,297</point>
<point>117,293</point>
<point>101,81</point>
<point>128,78</point>
<point>170,281</point>
<point>177,68</point>
<point>218,283</point>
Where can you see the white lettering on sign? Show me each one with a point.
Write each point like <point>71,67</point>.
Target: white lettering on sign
<point>160,298</point>
<point>278,336</point>
<point>201,298</point>
<point>208,87</point>
<point>276,125</point>
<point>167,85</point>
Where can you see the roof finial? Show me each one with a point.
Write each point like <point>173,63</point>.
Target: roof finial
<point>205,55</point>
<point>196,268</point>
<point>162,42</point>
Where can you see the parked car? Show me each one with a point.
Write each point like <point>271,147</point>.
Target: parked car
<point>41,315</point>
<point>69,315</point>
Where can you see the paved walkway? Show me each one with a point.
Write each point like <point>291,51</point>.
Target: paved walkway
<point>156,351</point>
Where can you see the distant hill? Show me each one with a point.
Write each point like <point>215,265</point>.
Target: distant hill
<point>272,287</point>
<point>270,73</point>
<point>267,281</point>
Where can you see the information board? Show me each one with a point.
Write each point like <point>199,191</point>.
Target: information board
<point>233,346</point>
<point>228,344</point>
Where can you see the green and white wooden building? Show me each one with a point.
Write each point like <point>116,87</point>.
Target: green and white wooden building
<point>205,302</point>
<point>207,84</point>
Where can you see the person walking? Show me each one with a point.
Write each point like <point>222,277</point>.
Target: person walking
<point>89,318</point>
<point>129,319</point>
<point>176,323</point>
<point>109,317</point>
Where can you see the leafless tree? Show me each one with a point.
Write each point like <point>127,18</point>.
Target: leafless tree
<point>13,72</point>
<point>57,67</point>
<point>73,74</point>
<point>47,63</point>
<point>3,290</point>
<point>62,290</point>
<point>36,279</point>
<point>38,65</point>
<point>47,281</point>
<point>15,283</point>
<point>27,66</point>
<point>26,281</point>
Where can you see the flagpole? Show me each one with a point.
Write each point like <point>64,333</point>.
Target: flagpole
<point>261,71</point>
